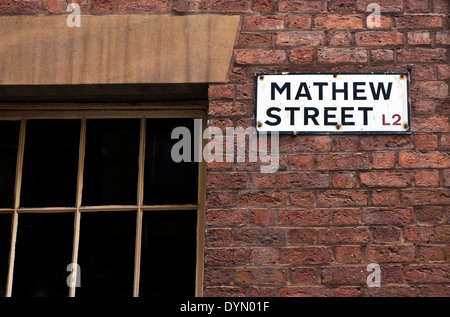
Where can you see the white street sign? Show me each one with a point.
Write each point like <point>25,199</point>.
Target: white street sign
<point>333,103</point>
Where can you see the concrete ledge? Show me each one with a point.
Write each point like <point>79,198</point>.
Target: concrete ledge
<point>116,49</point>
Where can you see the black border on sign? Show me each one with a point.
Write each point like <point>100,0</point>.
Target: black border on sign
<point>255,124</point>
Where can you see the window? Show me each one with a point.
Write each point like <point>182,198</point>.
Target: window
<point>95,188</point>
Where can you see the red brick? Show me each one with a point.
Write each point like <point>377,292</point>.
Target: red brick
<point>422,54</point>
<point>342,198</point>
<point>345,180</point>
<point>348,254</point>
<point>419,21</point>
<point>301,56</point>
<point>387,215</point>
<point>301,162</point>
<point>445,142</point>
<point>223,6</point>
<point>216,199</point>
<point>417,6</point>
<point>146,6</point>
<point>343,6</point>
<point>431,124</point>
<point>444,109</point>
<point>446,176</point>
<point>426,177</point>
<point>218,276</point>
<point>226,180</point>
<point>250,40</point>
<point>263,216</point>
<point>381,142</point>
<point>427,273</point>
<point>430,214</point>
<point>258,236</point>
<point>348,291</point>
<point>419,72</point>
<point>337,21</point>
<point>432,159</point>
<point>298,21</point>
<point>224,291</point>
<point>260,56</point>
<point>390,253</point>
<point>436,196</point>
<point>432,253</point>
<point>443,71</point>
<point>263,22</point>
<point>383,159</point>
<point>266,198</point>
<point>263,5</point>
<point>226,256</point>
<point>424,107</point>
<point>385,179</point>
<point>20,7</point>
<point>339,275</point>
<point>226,217</point>
<point>345,161</point>
<point>441,6</point>
<point>419,38</point>
<point>433,291</point>
<point>389,291</point>
<point>382,55</point>
<point>263,180</point>
<point>343,235</point>
<point>386,234</point>
<point>430,89</point>
<point>293,291</point>
<point>311,143</point>
<point>218,237</point>
<point>300,38</point>
<point>53,6</point>
<point>385,197</point>
<point>342,55</point>
<point>302,6</point>
<point>305,255</point>
<point>378,38</point>
<point>259,276</point>
<point>385,5</point>
<point>425,141</point>
<point>303,180</point>
<point>345,143</point>
<point>263,256</point>
<point>305,275</point>
<point>443,37</point>
<point>345,216</point>
<point>226,109</point>
<point>301,198</point>
<point>302,236</point>
<point>339,38</point>
<point>305,217</point>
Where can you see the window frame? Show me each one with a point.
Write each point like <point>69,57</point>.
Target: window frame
<point>143,111</point>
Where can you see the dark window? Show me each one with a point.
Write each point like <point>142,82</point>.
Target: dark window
<point>9,139</point>
<point>5,246</point>
<point>50,166</point>
<point>111,162</point>
<point>43,252</point>
<point>168,253</point>
<point>166,181</point>
<point>106,254</point>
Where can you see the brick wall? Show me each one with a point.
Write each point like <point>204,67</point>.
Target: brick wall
<point>337,202</point>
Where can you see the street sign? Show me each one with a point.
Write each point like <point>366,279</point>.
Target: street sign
<point>333,103</point>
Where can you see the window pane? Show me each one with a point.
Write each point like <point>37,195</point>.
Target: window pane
<point>168,259</point>
<point>111,163</point>
<point>106,254</point>
<point>9,138</point>
<point>50,166</point>
<point>43,252</point>
<point>168,182</point>
<point>5,246</point>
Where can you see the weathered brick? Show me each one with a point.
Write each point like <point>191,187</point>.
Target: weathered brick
<point>218,276</point>
<point>425,141</point>
<point>302,236</point>
<point>298,21</point>
<point>430,253</point>
<point>384,159</point>
<point>443,37</point>
<point>227,108</point>
<point>340,38</point>
<point>226,256</point>
<point>345,216</point>
<point>305,217</point>
<point>345,161</point>
<point>426,177</point>
<point>385,179</point>
<point>422,54</point>
<point>302,6</point>
<point>263,216</point>
<point>385,5</point>
<point>419,21</point>
<point>342,198</point>
<point>342,55</point>
<point>415,197</point>
<point>218,237</point>
<point>343,275</point>
<point>348,254</point>
<point>267,198</point>
<point>337,21</point>
<point>390,253</point>
<point>343,6</point>
<point>263,255</point>
<point>431,124</point>
<point>307,291</point>
<point>302,198</point>
<point>253,39</point>
<point>387,215</point>
<point>430,214</point>
<point>263,22</point>
<point>419,38</point>
<point>263,5</point>
<point>260,56</point>
<point>159,6</point>
<point>224,291</point>
<point>301,56</point>
<point>385,197</point>
<point>378,38</point>
<point>345,180</point>
<point>305,255</point>
<point>226,217</point>
<point>258,236</point>
<point>260,276</point>
<point>427,273</point>
<point>300,38</point>
<point>443,71</point>
<point>310,143</point>
<point>343,235</point>
<point>301,162</point>
<point>303,180</point>
<point>226,180</point>
<point>304,275</point>
<point>432,159</point>
<point>386,234</point>
<point>382,55</point>
<point>417,6</point>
